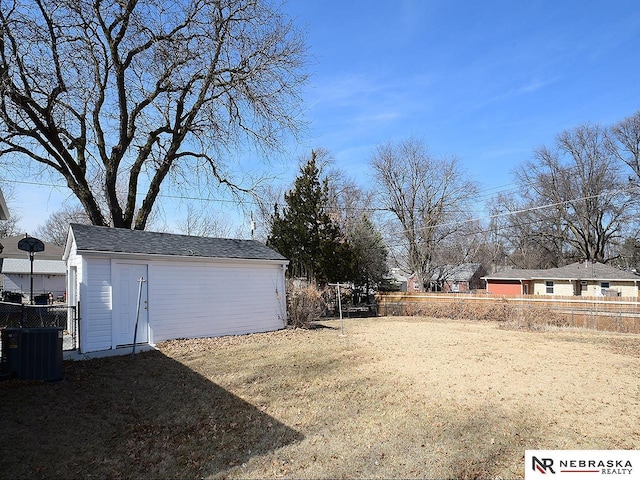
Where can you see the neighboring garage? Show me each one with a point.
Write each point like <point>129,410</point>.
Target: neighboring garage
<point>192,286</point>
<point>503,286</point>
<point>509,282</point>
<point>48,277</point>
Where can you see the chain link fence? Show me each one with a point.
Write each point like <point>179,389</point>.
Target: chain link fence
<point>14,315</point>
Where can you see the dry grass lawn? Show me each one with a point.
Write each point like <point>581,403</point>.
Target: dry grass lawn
<point>394,397</point>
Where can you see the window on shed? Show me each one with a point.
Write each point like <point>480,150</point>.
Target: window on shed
<point>604,286</point>
<point>549,286</point>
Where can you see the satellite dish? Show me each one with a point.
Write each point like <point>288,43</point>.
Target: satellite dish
<point>31,245</point>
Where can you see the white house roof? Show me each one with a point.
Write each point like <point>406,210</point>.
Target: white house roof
<point>575,271</point>
<point>91,239</point>
<point>40,267</point>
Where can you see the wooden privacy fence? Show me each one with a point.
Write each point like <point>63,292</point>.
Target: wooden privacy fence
<point>614,314</point>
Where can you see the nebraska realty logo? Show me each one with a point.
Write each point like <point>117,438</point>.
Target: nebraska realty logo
<point>576,464</point>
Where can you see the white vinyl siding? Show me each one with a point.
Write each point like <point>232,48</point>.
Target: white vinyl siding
<point>15,283</point>
<point>215,298</point>
<point>626,290</point>
<point>42,283</point>
<point>95,301</point>
<point>567,288</point>
<point>187,298</point>
<point>553,287</point>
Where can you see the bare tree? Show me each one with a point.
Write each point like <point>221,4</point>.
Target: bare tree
<point>122,96</point>
<point>515,227</point>
<point>579,184</point>
<point>348,202</point>
<point>427,196</point>
<point>464,247</point>
<point>9,227</point>
<point>629,254</point>
<point>204,224</point>
<point>56,228</point>
<point>625,144</point>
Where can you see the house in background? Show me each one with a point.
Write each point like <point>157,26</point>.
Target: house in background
<point>446,278</point>
<point>49,270</point>
<point>582,278</point>
<point>458,278</point>
<point>49,276</point>
<point>413,283</point>
<point>171,286</point>
<point>407,282</point>
<point>11,250</point>
<point>396,280</point>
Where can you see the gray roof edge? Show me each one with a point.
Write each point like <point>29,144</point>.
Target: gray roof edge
<point>90,238</point>
<point>572,271</point>
<point>170,256</point>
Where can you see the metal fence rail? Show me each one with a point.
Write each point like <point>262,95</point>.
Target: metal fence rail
<point>14,315</point>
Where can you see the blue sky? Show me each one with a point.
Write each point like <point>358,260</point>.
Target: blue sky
<point>484,81</point>
<point>487,82</point>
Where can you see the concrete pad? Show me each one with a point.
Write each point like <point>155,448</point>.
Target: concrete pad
<point>75,355</point>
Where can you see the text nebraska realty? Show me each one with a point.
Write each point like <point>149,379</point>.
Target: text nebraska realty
<point>607,467</point>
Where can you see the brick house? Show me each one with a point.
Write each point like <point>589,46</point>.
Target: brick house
<point>577,279</point>
<point>458,278</point>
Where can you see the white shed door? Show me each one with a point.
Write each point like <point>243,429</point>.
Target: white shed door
<point>126,291</point>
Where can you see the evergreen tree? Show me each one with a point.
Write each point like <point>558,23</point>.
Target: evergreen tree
<point>305,233</point>
<point>369,254</point>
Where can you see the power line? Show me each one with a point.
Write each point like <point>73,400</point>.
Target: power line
<point>241,201</point>
<point>375,209</point>
<point>515,212</point>
<point>161,195</point>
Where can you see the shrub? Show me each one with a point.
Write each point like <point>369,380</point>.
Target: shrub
<point>305,303</point>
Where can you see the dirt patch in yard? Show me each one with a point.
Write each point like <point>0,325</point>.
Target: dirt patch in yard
<point>394,397</point>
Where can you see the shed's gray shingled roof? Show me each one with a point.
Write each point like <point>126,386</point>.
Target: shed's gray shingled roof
<point>91,238</point>
<point>575,271</point>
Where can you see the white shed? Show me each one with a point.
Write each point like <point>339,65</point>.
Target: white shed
<point>193,286</point>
